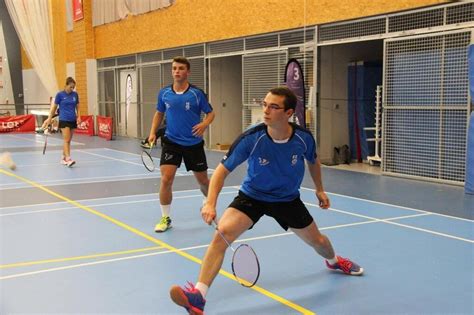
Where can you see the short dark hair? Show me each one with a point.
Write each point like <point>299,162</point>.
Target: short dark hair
<point>70,80</point>
<point>183,60</point>
<point>290,97</point>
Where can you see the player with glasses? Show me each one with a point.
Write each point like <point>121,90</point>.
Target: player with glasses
<point>276,152</point>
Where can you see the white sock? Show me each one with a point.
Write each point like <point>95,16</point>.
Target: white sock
<point>333,260</point>
<point>165,210</point>
<point>202,288</point>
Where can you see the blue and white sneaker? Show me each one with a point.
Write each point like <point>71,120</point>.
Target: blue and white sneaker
<point>346,266</point>
<point>188,297</point>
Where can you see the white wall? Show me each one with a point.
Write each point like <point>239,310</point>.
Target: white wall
<point>33,90</point>
<point>334,125</point>
<point>70,72</point>
<point>92,87</point>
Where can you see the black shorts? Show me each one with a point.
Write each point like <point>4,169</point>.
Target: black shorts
<point>194,156</point>
<point>290,214</point>
<point>67,124</point>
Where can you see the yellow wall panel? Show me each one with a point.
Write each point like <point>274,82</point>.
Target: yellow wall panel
<point>81,47</point>
<point>190,22</point>
<point>59,33</point>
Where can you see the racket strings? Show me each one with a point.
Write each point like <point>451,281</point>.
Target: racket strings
<point>148,161</point>
<point>245,265</point>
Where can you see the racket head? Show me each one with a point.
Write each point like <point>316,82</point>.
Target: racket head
<point>147,161</point>
<point>245,265</point>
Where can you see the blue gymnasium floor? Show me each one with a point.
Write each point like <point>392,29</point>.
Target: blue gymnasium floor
<point>80,240</point>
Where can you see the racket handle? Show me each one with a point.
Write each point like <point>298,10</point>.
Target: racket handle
<point>214,223</point>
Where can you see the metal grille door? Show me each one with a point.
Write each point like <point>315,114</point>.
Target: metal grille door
<point>426,106</point>
<point>150,84</point>
<point>261,72</point>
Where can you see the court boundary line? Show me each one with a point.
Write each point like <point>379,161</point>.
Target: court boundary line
<point>82,257</point>
<point>243,240</point>
<point>101,205</point>
<point>100,198</point>
<point>231,192</point>
<point>131,229</point>
<point>42,142</point>
<point>393,205</point>
<point>47,164</point>
<point>154,157</point>
<point>84,180</point>
<point>87,180</point>
<point>110,158</point>
<point>399,224</point>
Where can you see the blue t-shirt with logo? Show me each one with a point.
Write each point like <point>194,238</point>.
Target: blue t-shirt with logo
<point>67,105</point>
<point>275,170</point>
<point>183,112</point>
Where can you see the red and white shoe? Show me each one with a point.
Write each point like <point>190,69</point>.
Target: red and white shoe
<point>347,266</point>
<point>68,162</point>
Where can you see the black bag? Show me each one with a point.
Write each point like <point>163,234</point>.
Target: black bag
<point>342,155</point>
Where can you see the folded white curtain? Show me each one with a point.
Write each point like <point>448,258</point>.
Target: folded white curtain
<point>107,11</point>
<point>32,21</point>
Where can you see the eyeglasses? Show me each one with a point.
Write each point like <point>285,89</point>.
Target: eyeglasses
<point>271,106</point>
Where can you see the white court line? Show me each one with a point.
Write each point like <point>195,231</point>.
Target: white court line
<point>42,142</point>
<point>382,220</point>
<point>104,204</point>
<point>104,198</point>
<point>399,224</point>
<point>110,158</point>
<point>125,152</point>
<point>19,275</point>
<point>180,249</point>
<point>82,180</point>
<point>157,158</point>
<point>325,228</point>
<point>393,205</point>
<point>46,164</point>
<point>147,255</point>
<point>26,139</point>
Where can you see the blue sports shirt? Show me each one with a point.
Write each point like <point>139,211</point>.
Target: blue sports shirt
<point>275,170</point>
<point>183,112</point>
<point>67,105</point>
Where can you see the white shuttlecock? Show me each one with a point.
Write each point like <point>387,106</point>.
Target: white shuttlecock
<point>7,161</point>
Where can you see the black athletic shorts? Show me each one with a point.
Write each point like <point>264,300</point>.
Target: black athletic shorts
<point>194,156</point>
<point>70,124</point>
<point>290,214</point>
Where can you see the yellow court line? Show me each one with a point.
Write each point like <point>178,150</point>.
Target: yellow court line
<point>156,241</point>
<point>47,261</point>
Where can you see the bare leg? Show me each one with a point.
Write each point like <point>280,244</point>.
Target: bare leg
<point>203,181</point>
<point>322,245</point>
<point>168,173</point>
<point>67,136</point>
<point>313,237</point>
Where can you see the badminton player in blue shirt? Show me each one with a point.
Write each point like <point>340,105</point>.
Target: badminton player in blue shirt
<point>68,103</point>
<point>276,151</point>
<point>182,103</point>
